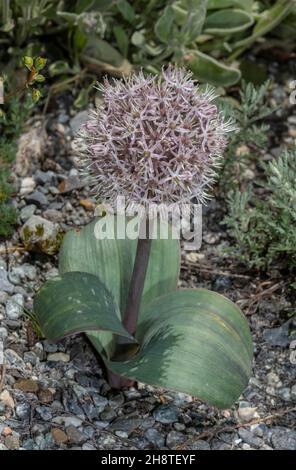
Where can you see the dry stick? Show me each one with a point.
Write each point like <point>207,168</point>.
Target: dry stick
<point>11,249</point>
<point>210,270</point>
<point>217,431</point>
<point>3,375</point>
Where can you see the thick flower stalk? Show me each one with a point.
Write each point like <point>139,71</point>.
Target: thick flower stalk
<point>154,139</point>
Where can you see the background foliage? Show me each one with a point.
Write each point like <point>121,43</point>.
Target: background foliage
<point>208,36</point>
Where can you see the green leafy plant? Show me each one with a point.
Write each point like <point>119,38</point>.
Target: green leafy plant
<point>208,36</point>
<point>263,224</point>
<point>16,103</point>
<point>246,145</point>
<point>122,290</point>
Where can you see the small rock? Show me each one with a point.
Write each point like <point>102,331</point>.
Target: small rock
<point>7,399</point>
<point>63,117</point>
<point>200,445</point>
<point>44,412</point>
<point>12,442</point>
<point>100,402</point>
<point>283,439</point>
<point>71,183</point>
<point>38,350</point>
<point>14,361</point>
<point>44,177</point>
<point>3,333</point>
<point>115,401</point>
<point>53,215</point>
<point>278,336</point>
<point>179,426</point>
<point>27,212</point>
<point>292,119</point>
<point>155,437</point>
<point>88,204</point>
<point>284,393</point>
<point>181,399</point>
<point>293,389</point>
<point>211,238</point>
<point>75,436</point>
<point>77,121</point>
<point>174,438</point>
<point>7,431</point>
<point>27,385</point>
<point>273,379</point>
<point>27,186</point>
<point>5,285</point>
<point>245,414</point>
<point>14,307</point>
<point>58,357</point>
<point>40,234</point>
<point>166,414</point>
<point>250,438</point>
<point>59,436</point>
<point>72,421</point>
<point>88,446</point>
<point>222,283</point>
<point>3,297</point>
<point>126,423</point>
<point>53,190</point>
<point>19,273</point>
<point>38,198</point>
<point>49,346</point>
<point>23,411</point>
<point>45,396</point>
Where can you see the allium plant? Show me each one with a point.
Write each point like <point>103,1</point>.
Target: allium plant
<point>152,140</point>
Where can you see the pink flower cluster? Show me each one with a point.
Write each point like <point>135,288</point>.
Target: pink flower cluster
<point>153,139</point>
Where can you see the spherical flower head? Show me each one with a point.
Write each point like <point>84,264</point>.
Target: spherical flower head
<point>154,139</point>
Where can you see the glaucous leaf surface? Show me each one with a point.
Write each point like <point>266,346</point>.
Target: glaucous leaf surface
<point>76,302</point>
<point>194,341</point>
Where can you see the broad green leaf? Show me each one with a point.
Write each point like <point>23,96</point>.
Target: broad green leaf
<point>228,21</point>
<point>100,55</point>
<point>83,5</point>
<point>121,39</point>
<point>112,261</point>
<point>220,4</point>
<point>103,51</point>
<point>71,18</point>
<point>208,69</point>
<point>269,19</point>
<point>190,16</point>
<point>163,26</point>
<point>126,10</point>
<point>58,68</point>
<point>193,341</point>
<point>181,23</point>
<point>76,302</point>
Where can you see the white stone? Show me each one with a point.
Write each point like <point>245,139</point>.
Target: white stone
<point>7,399</point>
<point>15,306</point>
<point>27,186</point>
<point>59,356</point>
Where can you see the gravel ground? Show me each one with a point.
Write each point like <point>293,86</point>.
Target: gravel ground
<point>54,396</point>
